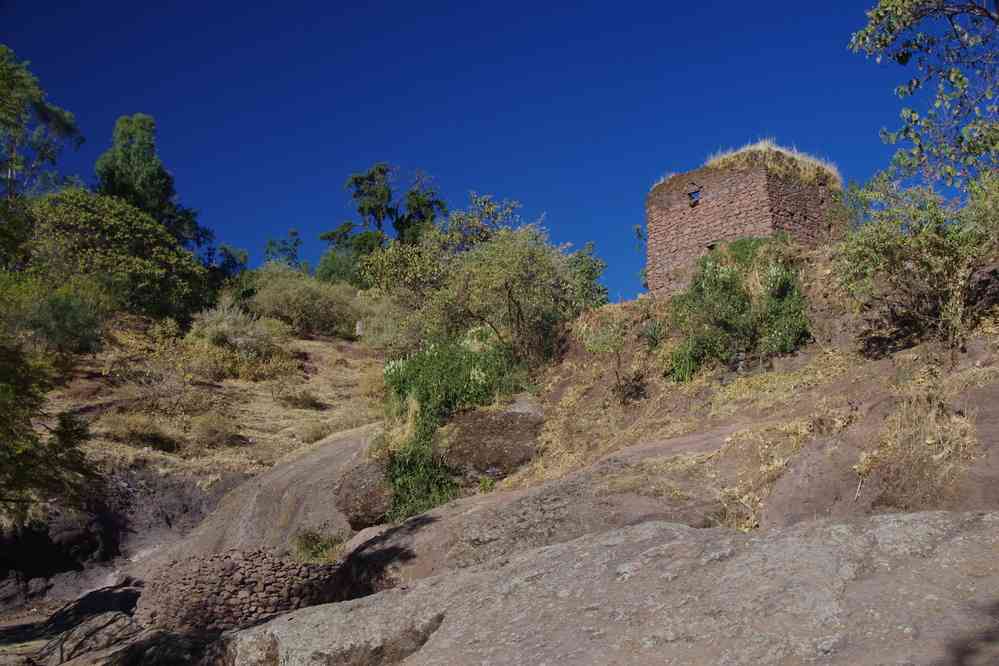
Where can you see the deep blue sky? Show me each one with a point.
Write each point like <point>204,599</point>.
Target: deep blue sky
<point>575,110</point>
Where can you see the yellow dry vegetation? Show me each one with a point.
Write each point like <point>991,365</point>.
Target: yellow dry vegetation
<point>767,389</point>
<point>779,159</point>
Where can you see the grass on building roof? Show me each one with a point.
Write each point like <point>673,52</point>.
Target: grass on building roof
<point>785,161</point>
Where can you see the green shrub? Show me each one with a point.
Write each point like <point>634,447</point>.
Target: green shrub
<point>521,287</point>
<point>426,389</point>
<point>309,306</point>
<point>62,319</point>
<point>481,269</point>
<point>225,341</point>
<point>446,378</point>
<point>33,467</point>
<point>78,233</point>
<point>744,303</point>
<point>910,266</point>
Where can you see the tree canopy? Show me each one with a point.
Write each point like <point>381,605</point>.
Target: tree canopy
<point>954,45</point>
<point>33,131</point>
<point>132,170</point>
<point>81,233</point>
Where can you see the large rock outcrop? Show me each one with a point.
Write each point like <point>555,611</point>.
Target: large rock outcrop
<point>890,589</point>
<point>267,512</point>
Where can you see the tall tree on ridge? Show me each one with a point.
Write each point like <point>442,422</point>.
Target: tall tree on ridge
<point>32,129</point>
<point>131,170</point>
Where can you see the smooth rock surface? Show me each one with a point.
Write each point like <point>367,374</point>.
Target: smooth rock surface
<point>889,589</point>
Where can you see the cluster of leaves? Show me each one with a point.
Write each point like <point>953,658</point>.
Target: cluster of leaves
<point>133,256</point>
<point>481,269</point>
<point>427,388</point>
<point>56,319</point>
<point>954,44</point>
<point>32,466</point>
<point>132,171</point>
<point>309,306</point>
<point>227,341</point>
<point>377,206</point>
<point>911,265</point>
<point>32,129</point>
<point>743,304</point>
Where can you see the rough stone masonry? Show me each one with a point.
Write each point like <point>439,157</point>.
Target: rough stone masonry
<point>687,214</point>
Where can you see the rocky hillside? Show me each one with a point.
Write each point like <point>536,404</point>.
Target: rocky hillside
<point>821,507</point>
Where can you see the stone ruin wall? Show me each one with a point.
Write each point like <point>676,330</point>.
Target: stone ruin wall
<point>733,204</point>
<point>803,210</point>
<point>231,590</point>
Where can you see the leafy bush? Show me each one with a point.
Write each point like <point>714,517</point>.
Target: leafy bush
<point>447,378</point>
<point>425,389</point>
<point>61,319</point>
<point>33,467</point>
<point>744,303</point>
<point>227,342</point>
<point>480,269</point>
<point>309,306</point>
<point>131,254</point>
<point>911,266</point>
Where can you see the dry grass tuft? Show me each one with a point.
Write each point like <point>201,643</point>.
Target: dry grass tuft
<point>923,452</point>
<point>768,389</point>
<point>782,160</point>
<point>214,429</point>
<point>138,429</point>
<point>318,548</point>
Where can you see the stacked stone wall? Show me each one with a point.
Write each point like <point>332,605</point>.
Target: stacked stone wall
<point>728,204</point>
<point>802,210</point>
<point>232,590</point>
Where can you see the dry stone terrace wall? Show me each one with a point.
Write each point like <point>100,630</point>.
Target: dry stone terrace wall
<point>231,590</point>
<point>689,213</point>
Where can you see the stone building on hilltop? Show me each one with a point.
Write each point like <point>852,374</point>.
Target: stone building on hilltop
<point>756,191</point>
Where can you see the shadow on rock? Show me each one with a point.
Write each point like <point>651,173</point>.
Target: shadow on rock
<point>976,648</point>
<point>364,571</point>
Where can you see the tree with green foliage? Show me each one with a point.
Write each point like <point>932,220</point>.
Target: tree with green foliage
<point>372,195</point>
<point>34,467</point>
<point>954,44</point>
<point>79,233</point>
<point>284,250</point>
<point>376,205</point>
<point>33,131</point>
<point>519,286</point>
<point>421,207</point>
<point>342,260</point>
<point>132,170</point>
<point>911,266</point>
<point>478,269</point>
